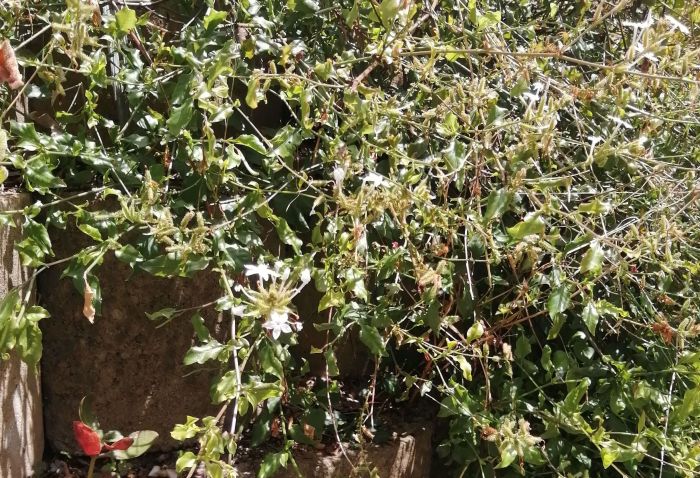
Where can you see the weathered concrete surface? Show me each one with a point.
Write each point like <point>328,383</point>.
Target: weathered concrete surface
<point>21,425</point>
<point>131,369</point>
<point>407,456</point>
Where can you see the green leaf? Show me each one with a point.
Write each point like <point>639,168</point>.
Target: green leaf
<point>522,347</point>
<point>4,174</point>
<point>287,235</point>
<point>252,142</point>
<point>690,406</point>
<point>305,100</point>
<point>214,470</point>
<point>496,115</point>
<point>353,14</point>
<point>464,366</point>
<point>39,176</point>
<point>8,324</point>
<point>200,328</point>
<point>172,265</point>
<point>388,10</point>
<point>269,361</point>
<point>521,86</point>
<point>259,392</point>
<point>595,207</point>
<point>186,430</point>
<point>180,117</point>
<point>475,331</point>
<point>126,19</point>
<point>533,224</point>
<point>332,298</point>
<point>431,316</point>
<point>372,339</point>
<point>29,346</point>
<point>455,156</point>
<point>86,413</point>
<point>91,231</point>
<point>143,440</point>
<point>186,461</point>
<point>128,254</point>
<point>286,142</point>
<point>333,370</point>
<point>559,300</point>
<point>496,204</point>
<point>303,6</point>
<point>593,260</point>
<point>617,401</point>
<point>324,70</point>
<point>609,454</point>
<point>571,402</point>
<point>356,283</point>
<point>203,353</point>
<point>251,97</point>
<point>36,245</point>
<point>166,313</point>
<point>590,316</point>
<point>224,388</point>
<point>533,455</point>
<point>508,455</point>
<point>213,18</point>
<point>546,360</point>
<point>272,463</point>
<point>260,431</point>
<point>604,307</point>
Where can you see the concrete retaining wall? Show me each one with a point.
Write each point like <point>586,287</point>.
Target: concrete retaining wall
<point>21,423</point>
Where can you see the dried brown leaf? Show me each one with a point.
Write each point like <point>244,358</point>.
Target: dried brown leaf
<point>309,431</point>
<point>88,309</point>
<point>9,71</point>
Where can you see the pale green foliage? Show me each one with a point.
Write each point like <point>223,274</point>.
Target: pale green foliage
<point>507,188</point>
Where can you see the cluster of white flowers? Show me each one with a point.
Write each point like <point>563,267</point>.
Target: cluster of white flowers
<point>271,299</point>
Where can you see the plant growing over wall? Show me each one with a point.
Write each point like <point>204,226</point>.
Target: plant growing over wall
<point>498,197</point>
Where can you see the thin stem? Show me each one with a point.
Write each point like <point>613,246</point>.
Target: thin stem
<point>618,68</point>
<point>62,200</point>
<point>91,469</point>
<point>668,413</point>
<point>33,37</point>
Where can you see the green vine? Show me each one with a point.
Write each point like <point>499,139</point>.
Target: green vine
<point>497,198</point>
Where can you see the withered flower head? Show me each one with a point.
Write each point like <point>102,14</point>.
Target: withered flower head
<point>9,71</point>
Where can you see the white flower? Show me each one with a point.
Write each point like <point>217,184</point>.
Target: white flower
<point>305,276</point>
<point>374,178</point>
<point>277,323</point>
<point>282,270</point>
<point>338,175</point>
<point>261,270</point>
<point>238,310</point>
<point>675,24</point>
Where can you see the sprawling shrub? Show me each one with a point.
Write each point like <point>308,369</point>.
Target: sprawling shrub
<point>498,198</point>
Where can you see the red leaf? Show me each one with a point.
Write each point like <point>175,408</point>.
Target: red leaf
<point>87,438</point>
<point>121,444</point>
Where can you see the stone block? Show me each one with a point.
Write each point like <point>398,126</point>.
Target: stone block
<point>130,368</point>
<point>408,455</point>
<point>21,423</point>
